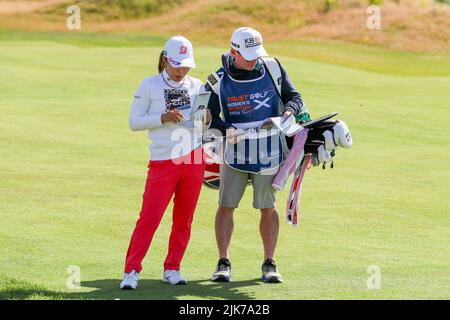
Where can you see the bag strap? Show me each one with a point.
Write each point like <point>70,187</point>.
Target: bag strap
<point>273,66</point>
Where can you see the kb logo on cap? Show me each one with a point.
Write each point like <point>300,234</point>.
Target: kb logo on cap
<point>252,42</point>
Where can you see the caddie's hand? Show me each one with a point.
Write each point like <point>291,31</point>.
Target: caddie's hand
<point>287,114</point>
<point>172,116</point>
<point>231,135</point>
<point>207,117</point>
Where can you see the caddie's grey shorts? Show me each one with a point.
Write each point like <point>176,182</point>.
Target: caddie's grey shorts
<point>234,182</point>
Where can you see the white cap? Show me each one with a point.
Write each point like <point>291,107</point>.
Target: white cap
<point>248,42</point>
<point>179,52</point>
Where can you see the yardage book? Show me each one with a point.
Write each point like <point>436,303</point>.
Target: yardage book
<point>197,112</point>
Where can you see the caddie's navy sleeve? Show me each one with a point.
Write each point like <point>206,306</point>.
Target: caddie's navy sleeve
<point>290,96</point>
<point>214,107</point>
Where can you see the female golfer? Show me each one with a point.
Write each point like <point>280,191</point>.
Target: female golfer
<point>176,166</point>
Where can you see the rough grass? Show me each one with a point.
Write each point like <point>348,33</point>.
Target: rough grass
<point>14,6</point>
<point>413,26</point>
<point>72,177</point>
<point>111,10</point>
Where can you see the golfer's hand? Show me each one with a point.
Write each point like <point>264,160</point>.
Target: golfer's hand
<point>172,116</point>
<point>231,135</point>
<point>207,117</point>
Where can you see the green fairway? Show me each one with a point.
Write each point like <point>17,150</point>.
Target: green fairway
<point>72,176</point>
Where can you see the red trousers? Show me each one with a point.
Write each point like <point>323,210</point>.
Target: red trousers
<point>182,177</point>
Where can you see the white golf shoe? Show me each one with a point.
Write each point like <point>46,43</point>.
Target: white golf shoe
<point>130,281</point>
<point>173,277</point>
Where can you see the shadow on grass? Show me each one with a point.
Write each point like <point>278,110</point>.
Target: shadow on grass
<point>108,289</point>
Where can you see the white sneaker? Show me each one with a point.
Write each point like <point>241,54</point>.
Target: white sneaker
<point>173,277</point>
<point>130,280</point>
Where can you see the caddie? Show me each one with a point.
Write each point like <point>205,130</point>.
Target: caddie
<point>248,88</point>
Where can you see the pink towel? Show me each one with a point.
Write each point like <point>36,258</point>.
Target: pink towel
<point>292,161</point>
<point>294,197</point>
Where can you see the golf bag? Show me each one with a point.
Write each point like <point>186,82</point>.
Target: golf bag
<point>324,137</point>
<point>323,140</point>
<point>212,148</point>
<point>212,175</point>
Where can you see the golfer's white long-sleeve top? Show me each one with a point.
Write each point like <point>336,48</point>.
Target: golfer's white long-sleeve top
<point>155,96</point>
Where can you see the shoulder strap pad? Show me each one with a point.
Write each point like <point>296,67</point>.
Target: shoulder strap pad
<point>274,70</point>
<point>214,81</point>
